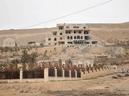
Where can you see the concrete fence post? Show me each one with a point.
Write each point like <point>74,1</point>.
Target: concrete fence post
<point>63,73</point>
<point>46,72</point>
<point>82,73</point>
<point>70,74</point>
<point>75,73</point>
<point>21,73</point>
<point>55,72</point>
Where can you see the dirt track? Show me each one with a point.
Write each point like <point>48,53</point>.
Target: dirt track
<point>102,86</point>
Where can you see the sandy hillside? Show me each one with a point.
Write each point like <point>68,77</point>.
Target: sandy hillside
<point>102,32</point>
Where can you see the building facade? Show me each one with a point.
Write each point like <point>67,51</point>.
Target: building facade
<point>71,35</point>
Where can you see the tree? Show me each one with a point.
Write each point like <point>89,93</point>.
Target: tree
<point>15,61</point>
<point>33,57</point>
<point>28,59</point>
<point>45,55</point>
<point>2,66</point>
<point>25,57</point>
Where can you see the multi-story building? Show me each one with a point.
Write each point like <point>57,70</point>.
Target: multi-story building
<point>71,35</point>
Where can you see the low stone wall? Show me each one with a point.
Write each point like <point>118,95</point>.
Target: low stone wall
<point>52,74</point>
<point>23,80</point>
<point>63,76</point>
<point>47,76</point>
<point>96,74</point>
<point>60,78</point>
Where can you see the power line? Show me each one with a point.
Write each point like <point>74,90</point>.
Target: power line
<point>69,14</point>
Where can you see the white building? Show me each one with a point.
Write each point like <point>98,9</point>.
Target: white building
<point>71,35</point>
<point>9,42</point>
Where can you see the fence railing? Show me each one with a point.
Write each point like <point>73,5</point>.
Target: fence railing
<point>49,73</point>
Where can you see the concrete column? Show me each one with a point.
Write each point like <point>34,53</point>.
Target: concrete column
<point>69,73</point>
<point>63,73</point>
<point>46,71</point>
<point>21,73</point>
<point>55,72</point>
<point>75,73</point>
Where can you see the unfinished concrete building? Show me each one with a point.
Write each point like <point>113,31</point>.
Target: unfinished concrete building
<point>71,35</point>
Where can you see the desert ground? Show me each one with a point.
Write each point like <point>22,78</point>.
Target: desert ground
<point>110,85</point>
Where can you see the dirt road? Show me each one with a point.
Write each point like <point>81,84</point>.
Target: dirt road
<point>101,86</point>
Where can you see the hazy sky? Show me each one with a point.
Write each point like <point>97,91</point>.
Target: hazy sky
<point>24,13</point>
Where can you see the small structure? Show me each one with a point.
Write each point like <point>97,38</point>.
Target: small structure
<point>9,42</point>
